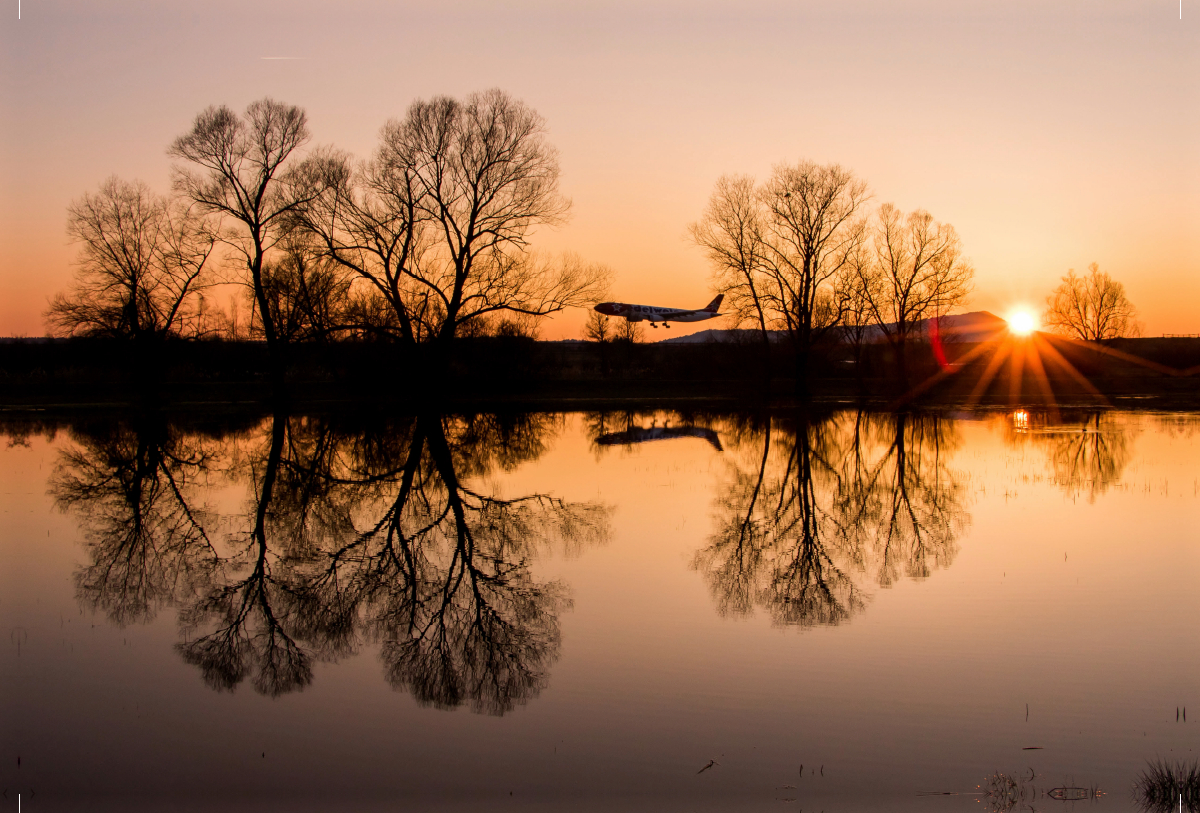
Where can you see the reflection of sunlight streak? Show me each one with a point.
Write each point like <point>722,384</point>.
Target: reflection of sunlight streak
<point>1021,420</point>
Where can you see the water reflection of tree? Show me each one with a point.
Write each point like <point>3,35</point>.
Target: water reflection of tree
<point>1087,452</point>
<point>388,536</point>
<point>250,607</point>
<point>441,576</point>
<point>148,543</point>
<point>820,506</point>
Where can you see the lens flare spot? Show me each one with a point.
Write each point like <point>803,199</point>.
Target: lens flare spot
<point>1021,322</point>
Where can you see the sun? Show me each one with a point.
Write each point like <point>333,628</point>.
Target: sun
<point>1021,322</point>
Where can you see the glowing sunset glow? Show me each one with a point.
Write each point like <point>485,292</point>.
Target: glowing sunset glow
<point>640,101</point>
<point>1021,322</point>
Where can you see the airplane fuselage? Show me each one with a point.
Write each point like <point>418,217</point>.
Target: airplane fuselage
<point>654,315</point>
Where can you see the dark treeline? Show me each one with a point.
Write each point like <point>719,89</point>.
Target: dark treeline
<point>480,370</point>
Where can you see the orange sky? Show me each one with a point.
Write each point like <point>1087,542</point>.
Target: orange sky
<point>1051,134</point>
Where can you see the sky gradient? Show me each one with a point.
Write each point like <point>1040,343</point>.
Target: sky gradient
<point>1050,134</point>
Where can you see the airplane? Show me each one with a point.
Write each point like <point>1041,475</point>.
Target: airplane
<point>653,315</point>
<point>643,434</point>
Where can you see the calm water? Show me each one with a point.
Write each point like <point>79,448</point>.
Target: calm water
<point>627,611</point>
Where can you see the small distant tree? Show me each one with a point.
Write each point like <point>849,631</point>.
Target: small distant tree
<point>629,332</point>
<point>599,328</point>
<point>1090,307</point>
<point>852,290</point>
<point>517,326</point>
<point>141,264</point>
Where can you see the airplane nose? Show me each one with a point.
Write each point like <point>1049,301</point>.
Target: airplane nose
<point>605,308</point>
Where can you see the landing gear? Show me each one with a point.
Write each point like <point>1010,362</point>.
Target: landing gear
<point>666,325</point>
<point>654,325</point>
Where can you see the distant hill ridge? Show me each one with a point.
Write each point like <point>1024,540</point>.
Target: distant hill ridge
<point>976,326</point>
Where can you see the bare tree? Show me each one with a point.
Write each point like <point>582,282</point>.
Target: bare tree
<point>852,289</point>
<point>141,264</point>
<point>917,272</point>
<point>778,249</point>
<point>1090,307</point>
<point>483,176</point>
<point>813,221</point>
<point>307,293</point>
<point>366,219</point>
<point>731,233</point>
<point>437,222</point>
<point>629,332</point>
<point>240,175</point>
<point>599,328</point>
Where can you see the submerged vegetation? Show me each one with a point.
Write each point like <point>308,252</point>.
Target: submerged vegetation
<point>1165,786</point>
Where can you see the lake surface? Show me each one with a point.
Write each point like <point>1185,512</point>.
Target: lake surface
<point>835,611</point>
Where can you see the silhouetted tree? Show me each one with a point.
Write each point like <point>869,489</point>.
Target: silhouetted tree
<point>852,289</point>
<point>1090,307</point>
<point>731,233</point>
<point>240,175</point>
<point>437,223</point>
<point>367,219</point>
<point>917,272</point>
<point>482,176</point>
<point>307,294</point>
<point>141,265</point>
<point>778,251</point>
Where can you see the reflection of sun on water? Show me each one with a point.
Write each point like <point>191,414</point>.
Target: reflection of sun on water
<point>1021,322</point>
<point>1021,420</point>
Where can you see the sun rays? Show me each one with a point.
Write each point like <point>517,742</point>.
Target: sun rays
<point>1028,366</point>
<point>1022,361</point>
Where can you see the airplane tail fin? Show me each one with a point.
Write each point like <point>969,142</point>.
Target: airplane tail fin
<point>716,303</point>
